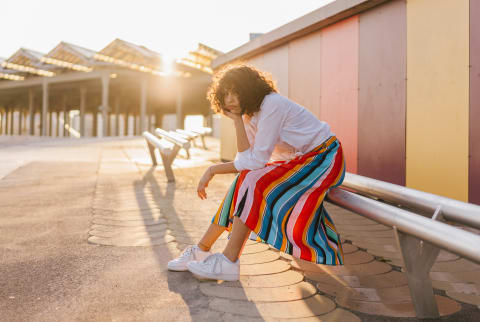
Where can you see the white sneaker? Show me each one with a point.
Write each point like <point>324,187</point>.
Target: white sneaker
<point>216,267</point>
<point>191,253</point>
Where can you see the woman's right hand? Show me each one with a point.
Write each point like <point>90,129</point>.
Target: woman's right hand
<point>203,183</point>
<point>231,115</point>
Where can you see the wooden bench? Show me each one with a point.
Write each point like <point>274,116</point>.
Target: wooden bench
<point>168,149</point>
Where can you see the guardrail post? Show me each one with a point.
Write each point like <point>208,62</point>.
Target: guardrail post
<point>418,257</point>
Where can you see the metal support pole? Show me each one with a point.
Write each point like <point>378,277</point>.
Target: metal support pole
<point>31,109</point>
<point>44,107</point>
<point>83,98</point>
<point>125,123</point>
<point>95,120</point>
<point>50,123</point>
<point>20,121</point>
<point>65,115</point>
<point>12,113</point>
<point>57,123</point>
<point>117,115</point>
<point>418,257</point>
<point>105,87</point>
<point>143,104</point>
<point>135,127</point>
<point>1,120</point>
<point>24,125</point>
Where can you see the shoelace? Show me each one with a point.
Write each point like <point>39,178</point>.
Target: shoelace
<point>212,262</point>
<point>187,252</point>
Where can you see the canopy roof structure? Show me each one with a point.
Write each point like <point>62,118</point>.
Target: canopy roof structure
<point>123,78</point>
<point>67,57</point>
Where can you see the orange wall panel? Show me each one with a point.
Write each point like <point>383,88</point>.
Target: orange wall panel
<point>339,85</point>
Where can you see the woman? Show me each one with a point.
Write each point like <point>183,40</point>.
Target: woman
<point>282,200</point>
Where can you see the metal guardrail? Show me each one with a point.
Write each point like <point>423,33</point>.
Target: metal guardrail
<point>452,210</point>
<point>418,238</point>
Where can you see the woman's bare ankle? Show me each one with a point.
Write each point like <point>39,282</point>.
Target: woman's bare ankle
<point>203,247</point>
<point>230,256</point>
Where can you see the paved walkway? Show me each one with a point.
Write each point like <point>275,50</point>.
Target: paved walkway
<point>87,227</point>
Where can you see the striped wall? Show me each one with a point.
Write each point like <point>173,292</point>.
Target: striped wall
<point>437,97</point>
<point>474,135</point>
<point>394,83</point>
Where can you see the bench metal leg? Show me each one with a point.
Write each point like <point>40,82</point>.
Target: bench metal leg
<point>418,257</point>
<point>151,149</point>
<point>167,160</point>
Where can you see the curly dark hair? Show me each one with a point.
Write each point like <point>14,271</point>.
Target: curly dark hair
<point>250,84</point>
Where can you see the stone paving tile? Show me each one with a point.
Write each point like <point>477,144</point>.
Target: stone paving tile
<point>337,315</point>
<point>122,242</point>
<point>315,305</point>
<point>277,266</point>
<point>467,288</point>
<point>146,217</point>
<point>356,228</point>
<point>130,234</point>
<point>385,280</point>
<point>257,248</point>
<point>371,268</point>
<point>387,295</point>
<point>259,258</point>
<point>266,281</point>
<point>293,292</point>
<point>465,297</point>
<point>107,228</point>
<point>128,223</point>
<point>456,277</point>
<point>460,265</point>
<point>446,306</point>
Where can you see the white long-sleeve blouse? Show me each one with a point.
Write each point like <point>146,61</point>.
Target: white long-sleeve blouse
<point>281,130</point>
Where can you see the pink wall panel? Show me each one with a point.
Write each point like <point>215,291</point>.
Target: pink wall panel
<point>304,71</point>
<point>339,85</point>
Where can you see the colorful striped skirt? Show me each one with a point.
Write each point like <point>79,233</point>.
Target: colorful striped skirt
<point>283,203</point>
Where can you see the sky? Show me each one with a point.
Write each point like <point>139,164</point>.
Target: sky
<point>171,28</point>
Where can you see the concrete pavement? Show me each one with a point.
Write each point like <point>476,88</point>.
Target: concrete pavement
<point>87,227</point>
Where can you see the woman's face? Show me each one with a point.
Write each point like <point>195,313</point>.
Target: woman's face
<point>232,103</point>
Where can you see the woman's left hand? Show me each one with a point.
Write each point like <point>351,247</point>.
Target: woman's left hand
<point>203,183</point>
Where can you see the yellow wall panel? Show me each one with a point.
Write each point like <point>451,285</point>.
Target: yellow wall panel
<point>437,97</point>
